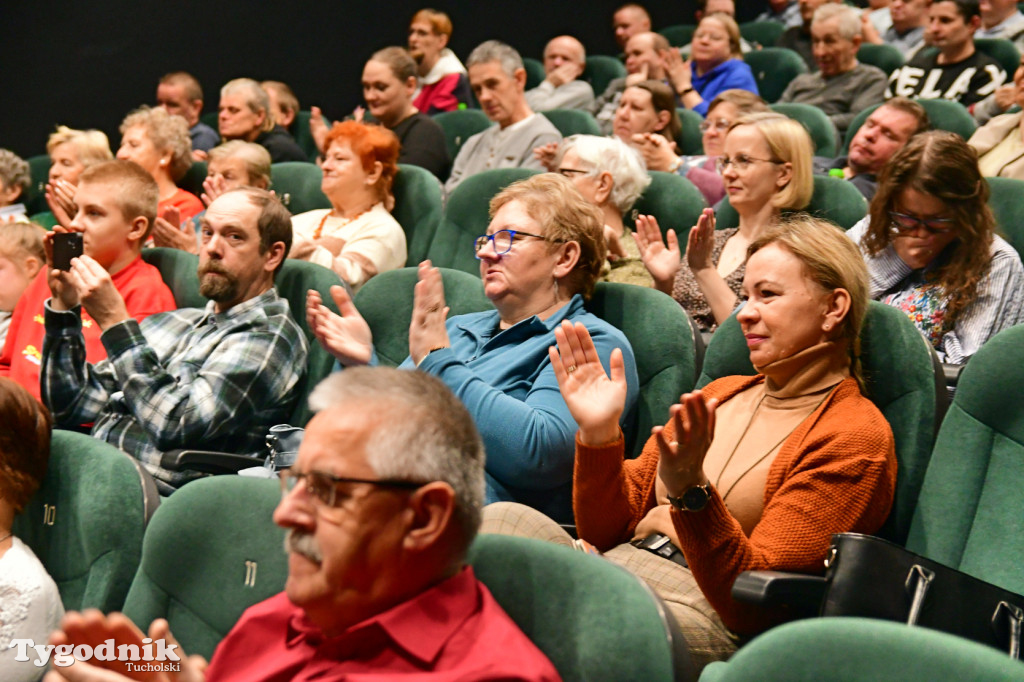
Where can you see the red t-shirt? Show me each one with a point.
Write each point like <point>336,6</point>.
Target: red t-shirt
<point>144,294</point>
<point>439,96</point>
<point>188,205</point>
<point>453,631</point>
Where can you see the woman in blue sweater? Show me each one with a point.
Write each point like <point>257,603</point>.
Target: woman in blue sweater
<point>716,64</point>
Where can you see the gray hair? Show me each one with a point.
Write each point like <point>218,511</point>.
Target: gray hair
<point>255,98</point>
<point>600,154</point>
<point>167,132</point>
<point>256,157</point>
<point>427,435</point>
<point>849,19</point>
<point>14,171</point>
<point>496,51</point>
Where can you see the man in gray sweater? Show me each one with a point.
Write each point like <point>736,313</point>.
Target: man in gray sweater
<point>842,87</point>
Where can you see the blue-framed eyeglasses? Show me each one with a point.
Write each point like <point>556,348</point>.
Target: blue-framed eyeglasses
<point>901,222</point>
<point>323,487</point>
<point>502,241</point>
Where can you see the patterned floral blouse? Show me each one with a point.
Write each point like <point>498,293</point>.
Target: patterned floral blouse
<point>688,293</point>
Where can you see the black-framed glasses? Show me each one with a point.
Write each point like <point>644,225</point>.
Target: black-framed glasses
<point>901,222</point>
<point>719,124</point>
<point>502,241</point>
<point>740,163</point>
<point>323,487</point>
<point>572,172</point>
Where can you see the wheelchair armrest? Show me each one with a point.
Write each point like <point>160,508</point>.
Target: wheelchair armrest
<point>207,461</point>
<point>800,592</point>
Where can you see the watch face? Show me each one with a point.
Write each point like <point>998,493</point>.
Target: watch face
<point>696,498</point>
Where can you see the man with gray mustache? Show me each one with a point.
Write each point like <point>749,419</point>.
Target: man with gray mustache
<point>381,506</point>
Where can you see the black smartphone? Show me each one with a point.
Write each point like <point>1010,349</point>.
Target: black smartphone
<point>66,245</point>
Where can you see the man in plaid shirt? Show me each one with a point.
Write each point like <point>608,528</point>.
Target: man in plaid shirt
<point>214,378</point>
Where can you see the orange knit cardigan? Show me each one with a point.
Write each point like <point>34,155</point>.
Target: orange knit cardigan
<point>835,473</point>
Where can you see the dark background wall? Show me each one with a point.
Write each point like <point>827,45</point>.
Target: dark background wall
<point>87,64</point>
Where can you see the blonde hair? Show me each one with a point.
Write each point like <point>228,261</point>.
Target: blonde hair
<point>167,132</point>
<point>564,216</point>
<point>137,192</point>
<point>732,29</point>
<point>789,143</point>
<point>256,157</point>
<point>21,240</point>
<point>92,146</point>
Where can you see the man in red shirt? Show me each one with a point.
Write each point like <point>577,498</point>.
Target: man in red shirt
<point>381,507</point>
<point>116,207</point>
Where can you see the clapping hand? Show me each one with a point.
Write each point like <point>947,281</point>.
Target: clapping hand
<point>701,241</point>
<point>427,330</point>
<point>662,259</point>
<point>546,154</point>
<point>347,336</point>
<point>594,399</point>
<point>683,449</point>
<point>60,197</point>
<point>659,154</point>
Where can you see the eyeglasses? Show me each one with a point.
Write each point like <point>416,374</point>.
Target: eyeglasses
<point>901,222</point>
<point>570,172</point>
<point>502,241</point>
<point>323,487</point>
<point>740,163</point>
<point>719,124</point>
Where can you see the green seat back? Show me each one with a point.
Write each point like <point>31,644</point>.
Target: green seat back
<point>573,122</point>
<point>678,35</point>
<point>418,209</point>
<point>45,219</point>
<point>178,269</point>
<point>297,184</point>
<point>459,126</point>
<point>943,114</point>
<point>691,139</point>
<point>673,200</point>
<point>861,650</point>
<point>971,504</point>
<point>304,138</point>
<point>86,521</point>
<point>385,302</point>
<point>211,551</point>
<point>600,70</point>
<point>818,125</point>
<point>34,197</point>
<point>666,348</point>
<point>833,199</point>
<point>192,180</point>
<point>884,56</point>
<point>534,72</point>
<point>1003,51</point>
<point>466,217</point>
<point>591,618</point>
<point>764,33</point>
<point>210,119</point>
<point>1007,203</point>
<point>900,378</point>
<point>774,68</point>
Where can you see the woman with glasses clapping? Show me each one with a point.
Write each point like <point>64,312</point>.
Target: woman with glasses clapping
<point>539,260</point>
<point>766,167</point>
<point>930,244</point>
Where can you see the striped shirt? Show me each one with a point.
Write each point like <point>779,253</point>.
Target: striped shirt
<point>190,378</point>
<point>998,303</point>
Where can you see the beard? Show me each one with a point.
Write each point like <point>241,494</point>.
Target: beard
<point>219,289</point>
<point>304,544</point>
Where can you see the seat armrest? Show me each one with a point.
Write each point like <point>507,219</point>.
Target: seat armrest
<point>207,461</point>
<point>952,374</point>
<point>800,592</point>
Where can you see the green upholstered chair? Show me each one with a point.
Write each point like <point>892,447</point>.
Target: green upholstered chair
<point>943,114</point>
<point>1007,202</point>
<point>297,184</point>
<point>418,209</point>
<point>178,269</point>
<point>86,521</point>
<point>678,35</point>
<point>901,377</point>
<point>764,33</point>
<point>667,346</point>
<point>573,122</point>
<point>534,72</point>
<point>386,304</point>
<point>673,200</point>
<point>35,197</point>
<point>690,140</point>
<point>1003,51</point>
<point>774,68</point>
<point>460,125</point>
<point>211,551</point>
<point>304,138</point>
<point>884,56</point>
<point>819,126</point>
<point>192,181</point>
<point>861,650</point>
<point>466,217</point>
<point>833,199</point>
<point>45,219</point>
<point>591,618</point>
<point>600,70</point>
<point>210,119</point>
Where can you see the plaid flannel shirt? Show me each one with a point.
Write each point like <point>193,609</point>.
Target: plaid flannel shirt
<point>191,378</point>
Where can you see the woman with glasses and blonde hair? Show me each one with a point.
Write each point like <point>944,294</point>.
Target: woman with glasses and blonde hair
<point>539,261</point>
<point>767,168</point>
<point>931,248</point>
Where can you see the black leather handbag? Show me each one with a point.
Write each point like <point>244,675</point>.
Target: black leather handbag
<point>875,578</point>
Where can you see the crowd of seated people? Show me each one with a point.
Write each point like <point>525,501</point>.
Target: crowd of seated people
<point>549,386</point>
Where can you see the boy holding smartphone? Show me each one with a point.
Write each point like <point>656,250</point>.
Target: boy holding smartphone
<point>116,203</point>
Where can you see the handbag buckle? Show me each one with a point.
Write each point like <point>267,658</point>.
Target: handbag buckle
<point>1007,622</point>
<point>919,579</point>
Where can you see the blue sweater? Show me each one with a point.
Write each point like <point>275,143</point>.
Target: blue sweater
<point>733,73</point>
<point>505,379</point>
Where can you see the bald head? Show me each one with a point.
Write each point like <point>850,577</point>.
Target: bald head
<point>629,20</point>
<point>723,6</point>
<point>564,50</point>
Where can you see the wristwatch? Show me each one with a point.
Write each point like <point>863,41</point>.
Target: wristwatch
<point>693,500</point>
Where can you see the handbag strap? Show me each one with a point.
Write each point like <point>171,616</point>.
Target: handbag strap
<point>919,579</point>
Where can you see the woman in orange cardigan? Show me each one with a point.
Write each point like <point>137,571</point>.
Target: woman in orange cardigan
<point>751,473</point>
